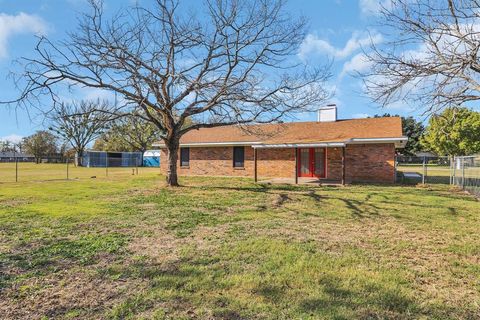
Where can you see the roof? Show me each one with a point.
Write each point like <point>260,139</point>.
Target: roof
<point>152,153</point>
<point>341,131</point>
<point>11,154</point>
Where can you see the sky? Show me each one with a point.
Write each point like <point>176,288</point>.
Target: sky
<point>338,30</point>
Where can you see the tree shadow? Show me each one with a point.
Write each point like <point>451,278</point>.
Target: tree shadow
<point>357,208</point>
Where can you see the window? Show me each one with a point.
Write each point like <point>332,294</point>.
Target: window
<point>238,157</point>
<point>184,157</point>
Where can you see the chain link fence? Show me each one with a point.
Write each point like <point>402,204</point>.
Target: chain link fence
<point>426,170</point>
<point>466,173</point>
<point>463,172</point>
<point>49,169</point>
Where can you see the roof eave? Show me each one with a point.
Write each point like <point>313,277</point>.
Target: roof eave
<point>299,145</point>
<point>211,144</point>
<point>399,142</point>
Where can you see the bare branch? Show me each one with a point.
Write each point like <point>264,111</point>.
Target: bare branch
<point>237,65</point>
<point>431,59</point>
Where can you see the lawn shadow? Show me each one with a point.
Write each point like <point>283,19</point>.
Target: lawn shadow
<point>357,208</point>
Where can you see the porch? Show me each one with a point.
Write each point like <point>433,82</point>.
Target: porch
<point>314,164</point>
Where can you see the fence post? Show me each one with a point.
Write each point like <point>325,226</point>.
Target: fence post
<point>463,173</point>
<point>106,166</point>
<point>395,167</point>
<point>451,170</point>
<point>455,182</point>
<point>16,168</point>
<point>424,171</point>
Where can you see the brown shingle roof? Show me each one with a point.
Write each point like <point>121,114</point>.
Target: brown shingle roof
<point>299,132</point>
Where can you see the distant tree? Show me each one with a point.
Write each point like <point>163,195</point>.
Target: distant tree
<point>79,123</point>
<point>110,141</point>
<point>40,144</point>
<point>412,129</point>
<point>454,132</point>
<point>132,134</point>
<point>6,146</point>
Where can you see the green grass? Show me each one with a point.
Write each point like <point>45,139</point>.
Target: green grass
<point>126,247</point>
<point>27,171</point>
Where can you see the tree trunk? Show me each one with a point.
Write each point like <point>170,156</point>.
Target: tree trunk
<point>172,178</point>
<point>79,158</point>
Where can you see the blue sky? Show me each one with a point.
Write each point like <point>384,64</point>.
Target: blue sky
<point>337,30</point>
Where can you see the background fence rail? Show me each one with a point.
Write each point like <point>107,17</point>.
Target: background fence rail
<point>463,172</point>
<point>47,170</point>
<point>426,170</point>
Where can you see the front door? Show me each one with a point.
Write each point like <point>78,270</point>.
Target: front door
<point>311,162</point>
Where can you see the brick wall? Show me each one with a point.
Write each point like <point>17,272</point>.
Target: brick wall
<point>334,164</point>
<point>276,163</point>
<point>370,163</point>
<point>364,163</point>
<point>212,161</point>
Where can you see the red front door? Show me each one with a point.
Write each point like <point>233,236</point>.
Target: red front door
<point>312,162</point>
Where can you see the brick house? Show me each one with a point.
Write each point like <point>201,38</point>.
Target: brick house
<point>343,151</point>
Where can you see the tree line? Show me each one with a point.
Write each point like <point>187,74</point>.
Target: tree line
<point>75,126</point>
<point>453,132</point>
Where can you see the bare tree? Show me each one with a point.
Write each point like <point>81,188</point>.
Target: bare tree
<point>235,65</point>
<point>431,57</point>
<point>80,123</point>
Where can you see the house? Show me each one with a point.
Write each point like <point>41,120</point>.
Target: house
<point>343,151</point>
<point>10,156</point>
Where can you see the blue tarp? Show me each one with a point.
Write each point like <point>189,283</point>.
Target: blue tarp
<point>151,158</point>
<point>151,161</point>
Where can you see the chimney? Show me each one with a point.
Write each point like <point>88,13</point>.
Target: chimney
<point>328,113</point>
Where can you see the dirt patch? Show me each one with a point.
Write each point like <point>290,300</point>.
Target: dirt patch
<point>162,246</point>
<point>12,203</point>
<point>159,245</point>
<point>61,292</point>
<point>280,199</point>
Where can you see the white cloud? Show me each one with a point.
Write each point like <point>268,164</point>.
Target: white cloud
<point>18,24</point>
<point>312,44</point>
<point>360,115</point>
<point>358,63</point>
<point>15,138</point>
<point>97,94</point>
<point>373,7</point>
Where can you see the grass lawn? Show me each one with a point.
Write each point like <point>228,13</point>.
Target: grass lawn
<point>28,171</point>
<point>218,248</point>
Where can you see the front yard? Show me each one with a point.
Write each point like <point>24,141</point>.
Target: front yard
<point>127,247</point>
